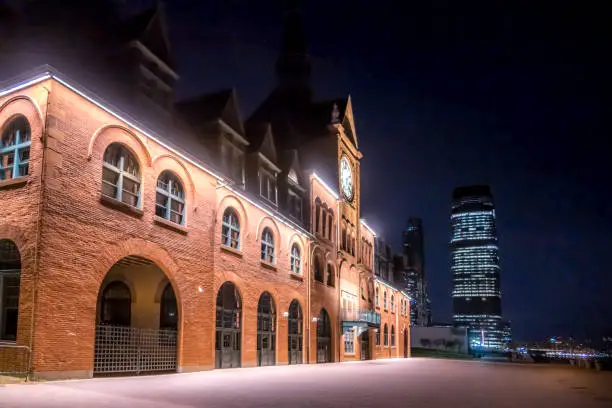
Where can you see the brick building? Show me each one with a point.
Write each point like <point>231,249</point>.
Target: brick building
<point>140,236</point>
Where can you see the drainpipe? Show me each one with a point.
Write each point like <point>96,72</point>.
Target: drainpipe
<point>41,197</point>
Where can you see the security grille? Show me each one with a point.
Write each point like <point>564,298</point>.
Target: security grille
<point>133,350</point>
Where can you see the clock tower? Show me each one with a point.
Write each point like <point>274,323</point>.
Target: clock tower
<point>348,157</point>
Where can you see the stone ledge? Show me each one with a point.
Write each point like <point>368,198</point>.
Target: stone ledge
<point>232,251</point>
<point>170,225</point>
<point>13,182</point>
<point>121,206</point>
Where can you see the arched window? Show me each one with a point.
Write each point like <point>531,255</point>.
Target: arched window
<point>15,149</point>
<point>168,314</point>
<point>267,246</point>
<point>10,274</point>
<point>392,304</point>
<point>386,336</point>
<point>121,175</point>
<point>376,297</point>
<point>330,223</point>
<point>385,299</point>
<point>170,198</point>
<point>230,232</point>
<point>353,241</point>
<point>296,259</point>
<point>323,222</point>
<point>317,214</point>
<point>378,337</point>
<point>116,305</point>
<point>392,336</point>
<point>318,268</point>
<point>343,246</point>
<point>330,276</point>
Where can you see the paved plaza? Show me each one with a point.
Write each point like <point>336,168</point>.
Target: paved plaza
<point>408,383</point>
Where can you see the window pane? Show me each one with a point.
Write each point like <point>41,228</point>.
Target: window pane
<point>130,192</point>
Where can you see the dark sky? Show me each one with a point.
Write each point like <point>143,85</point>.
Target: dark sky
<point>507,93</point>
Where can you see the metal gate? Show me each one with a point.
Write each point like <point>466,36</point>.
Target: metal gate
<point>365,346</point>
<point>132,350</point>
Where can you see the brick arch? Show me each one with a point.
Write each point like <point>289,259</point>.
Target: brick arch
<point>233,201</point>
<point>267,221</point>
<point>108,134</point>
<point>165,162</point>
<point>145,249</point>
<point>25,106</point>
<point>123,279</point>
<point>15,234</point>
<point>236,286</point>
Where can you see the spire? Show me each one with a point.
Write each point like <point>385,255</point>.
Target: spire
<point>293,64</point>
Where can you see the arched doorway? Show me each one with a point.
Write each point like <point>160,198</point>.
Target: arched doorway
<point>10,280</point>
<point>228,333</point>
<point>365,345</point>
<point>405,343</point>
<point>266,330</point>
<point>135,333</point>
<point>295,341</point>
<point>323,338</point>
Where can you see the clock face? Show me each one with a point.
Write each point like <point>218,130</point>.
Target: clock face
<point>346,178</point>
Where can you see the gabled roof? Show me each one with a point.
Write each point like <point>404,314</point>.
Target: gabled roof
<point>210,107</point>
<point>289,163</point>
<point>261,139</point>
<point>151,29</point>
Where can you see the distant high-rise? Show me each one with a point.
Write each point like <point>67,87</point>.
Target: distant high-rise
<point>475,267</point>
<point>411,271</point>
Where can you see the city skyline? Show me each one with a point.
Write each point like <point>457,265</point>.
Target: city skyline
<point>443,97</point>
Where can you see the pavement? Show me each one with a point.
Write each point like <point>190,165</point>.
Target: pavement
<point>416,382</point>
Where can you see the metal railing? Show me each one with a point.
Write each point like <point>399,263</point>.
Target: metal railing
<point>134,350</point>
<point>14,359</point>
<point>370,317</point>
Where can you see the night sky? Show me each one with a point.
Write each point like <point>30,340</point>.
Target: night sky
<point>446,93</point>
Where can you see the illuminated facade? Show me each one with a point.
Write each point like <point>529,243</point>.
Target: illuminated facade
<point>182,232</point>
<point>475,267</point>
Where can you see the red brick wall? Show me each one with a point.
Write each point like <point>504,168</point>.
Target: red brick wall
<point>80,238</point>
<point>20,215</point>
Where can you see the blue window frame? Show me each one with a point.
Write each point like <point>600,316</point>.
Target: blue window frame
<point>121,175</point>
<point>267,246</point>
<point>230,233</point>
<point>170,198</point>
<point>296,259</point>
<point>15,149</point>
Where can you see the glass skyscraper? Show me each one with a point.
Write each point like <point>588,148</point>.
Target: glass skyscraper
<point>475,268</point>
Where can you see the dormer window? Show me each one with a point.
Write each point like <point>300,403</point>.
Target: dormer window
<point>267,185</point>
<point>295,205</point>
<point>232,160</point>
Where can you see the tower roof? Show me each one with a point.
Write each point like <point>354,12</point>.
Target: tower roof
<point>293,63</point>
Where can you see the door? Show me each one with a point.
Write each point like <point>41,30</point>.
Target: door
<point>365,345</point>
<point>266,331</point>
<point>405,343</point>
<point>228,331</point>
<point>323,338</point>
<point>295,338</point>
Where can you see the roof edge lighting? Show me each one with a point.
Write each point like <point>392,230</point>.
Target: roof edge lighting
<point>225,183</point>
<point>331,190</point>
<point>368,227</point>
